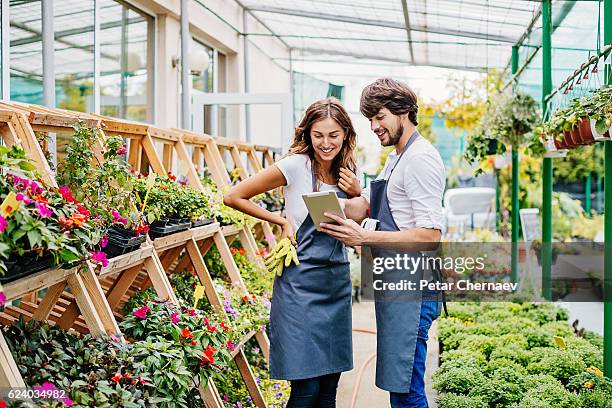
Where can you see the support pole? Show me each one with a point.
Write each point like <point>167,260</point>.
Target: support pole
<point>608,215</point>
<point>497,209</point>
<point>547,165</point>
<point>5,78</point>
<point>97,45</point>
<point>185,85</point>
<point>247,76</point>
<point>48,63</point>
<point>587,194</point>
<point>515,188</point>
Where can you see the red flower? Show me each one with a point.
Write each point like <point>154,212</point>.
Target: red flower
<point>191,312</point>
<point>242,251</point>
<point>245,298</point>
<point>233,250</point>
<point>116,378</point>
<point>186,334</point>
<point>212,329</point>
<point>224,327</point>
<point>141,229</point>
<point>67,194</point>
<point>208,356</point>
<point>142,381</point>
<point>83,210</point>
<point>127,376</point>
<point>194,342</point>
<point>171,176</point>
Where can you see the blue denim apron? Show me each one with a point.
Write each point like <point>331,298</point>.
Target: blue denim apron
<point>310,318</point>
<point>397,323</point>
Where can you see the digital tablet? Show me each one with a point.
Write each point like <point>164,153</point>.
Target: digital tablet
<point>321,202</point>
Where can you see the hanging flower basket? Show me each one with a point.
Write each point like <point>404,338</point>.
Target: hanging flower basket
<point>554,148</point>
<point>599,137</point>
<point>585,131</point>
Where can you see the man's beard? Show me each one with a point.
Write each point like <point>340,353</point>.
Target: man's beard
<point>396,136</point>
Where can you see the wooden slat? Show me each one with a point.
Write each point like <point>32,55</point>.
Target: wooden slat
<point>10,377</point>
<point>50,299</point>
<point>249,380</point>
<point>37,281</point>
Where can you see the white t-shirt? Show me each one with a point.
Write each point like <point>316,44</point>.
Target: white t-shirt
<point>296,169</point>
<point>416,186</point>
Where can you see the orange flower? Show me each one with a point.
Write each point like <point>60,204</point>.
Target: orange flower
<point>186,334</point>
<point>78,219</point>
<point>65,222</point>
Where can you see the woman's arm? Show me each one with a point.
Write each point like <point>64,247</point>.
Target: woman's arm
<point>239,196</point>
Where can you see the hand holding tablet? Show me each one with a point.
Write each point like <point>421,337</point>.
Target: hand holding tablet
<point>321,202</point>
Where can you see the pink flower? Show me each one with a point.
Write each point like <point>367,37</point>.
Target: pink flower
<point>122,151</point>
<point>270,239</point>
<point>2,298</point>
<point>68,402</point>
<point>99,257</point>
<point>230,346</point>
<point>24,198</point>
<point>3,224</point>
<point>35,189</point>
<point>66,194</point>
<point>43,210</point>
<point>117,218</point>
<point>141,313</point>
<point>104,241</point>
<point>175,317</point>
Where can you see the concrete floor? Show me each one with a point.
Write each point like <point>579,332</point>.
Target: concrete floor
<point>364,345</point>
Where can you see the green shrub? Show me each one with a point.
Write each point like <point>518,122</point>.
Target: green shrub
<point>590,354</point>
<point>465,355</point>
<point>504,388</point>
<point>561,329</point>
<point>448,327</point>
<point>555,395</point>
<point>544,313</point>
<point>460,401</point>
<point>513,352</point>
<point>538,337</point>
<point>484,344</point>
<point>587,380</point>
<point>459,380</point>
<point>497,363</point>
<point>594,338</point>
<point>561,364</point>
<point>595,399</point>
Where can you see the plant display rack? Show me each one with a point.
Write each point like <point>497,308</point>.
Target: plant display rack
<point>235,148</point>
<point>94,297</point>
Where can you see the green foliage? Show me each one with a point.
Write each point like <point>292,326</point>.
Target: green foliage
<point>450,400</point>
<point>106,188</point>
<point>503,355</point>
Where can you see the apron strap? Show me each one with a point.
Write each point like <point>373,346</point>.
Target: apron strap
<point>313,177</point>
<point>414,136</point>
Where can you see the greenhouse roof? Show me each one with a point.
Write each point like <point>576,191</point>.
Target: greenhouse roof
<point>462,34</point>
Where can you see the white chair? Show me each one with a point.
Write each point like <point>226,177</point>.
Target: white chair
<point>473,205</point>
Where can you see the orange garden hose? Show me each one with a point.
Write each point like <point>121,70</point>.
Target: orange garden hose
<point>362,369</point>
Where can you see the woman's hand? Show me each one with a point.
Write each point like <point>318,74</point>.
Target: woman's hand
<point>349,183</point>
<point>287,232</point>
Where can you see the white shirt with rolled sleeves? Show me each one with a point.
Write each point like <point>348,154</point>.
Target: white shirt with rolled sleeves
<point>416,186</point>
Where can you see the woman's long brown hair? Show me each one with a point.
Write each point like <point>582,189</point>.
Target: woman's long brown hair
<point>302,142</point>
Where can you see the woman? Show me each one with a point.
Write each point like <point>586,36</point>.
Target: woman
<point>310,319</point>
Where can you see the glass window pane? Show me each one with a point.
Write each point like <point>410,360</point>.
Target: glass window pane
<point>124,70</point>
<point>203,81</point>
<point>74,54</point>
<point>26,51</point>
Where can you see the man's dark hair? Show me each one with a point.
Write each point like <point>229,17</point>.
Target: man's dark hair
<point>391,94</point>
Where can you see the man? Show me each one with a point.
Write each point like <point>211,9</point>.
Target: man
<point>406,199</point>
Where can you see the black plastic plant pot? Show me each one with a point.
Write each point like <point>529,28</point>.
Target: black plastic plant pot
<point>222,222</point>
<point>20,267</point>
<point>159,223</point>
<point>118,231</point>
<point>118,245</point>
<point>494,147</point>
<point>201,222</point>
<point>157,232</point>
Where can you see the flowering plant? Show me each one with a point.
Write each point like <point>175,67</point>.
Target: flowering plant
<point>203,339</point>
<point>38,221</point>
<point>105,187</point>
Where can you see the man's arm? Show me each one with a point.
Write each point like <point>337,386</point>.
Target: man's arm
<point>351,233</point>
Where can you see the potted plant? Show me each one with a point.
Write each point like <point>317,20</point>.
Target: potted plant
<point>106,188</point>
<point>40,226</point>
<point>600,113</point>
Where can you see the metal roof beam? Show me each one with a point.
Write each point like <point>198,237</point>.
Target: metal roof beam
<point>381,23</point>
<point>351,54</point>
<point>407,24</point>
